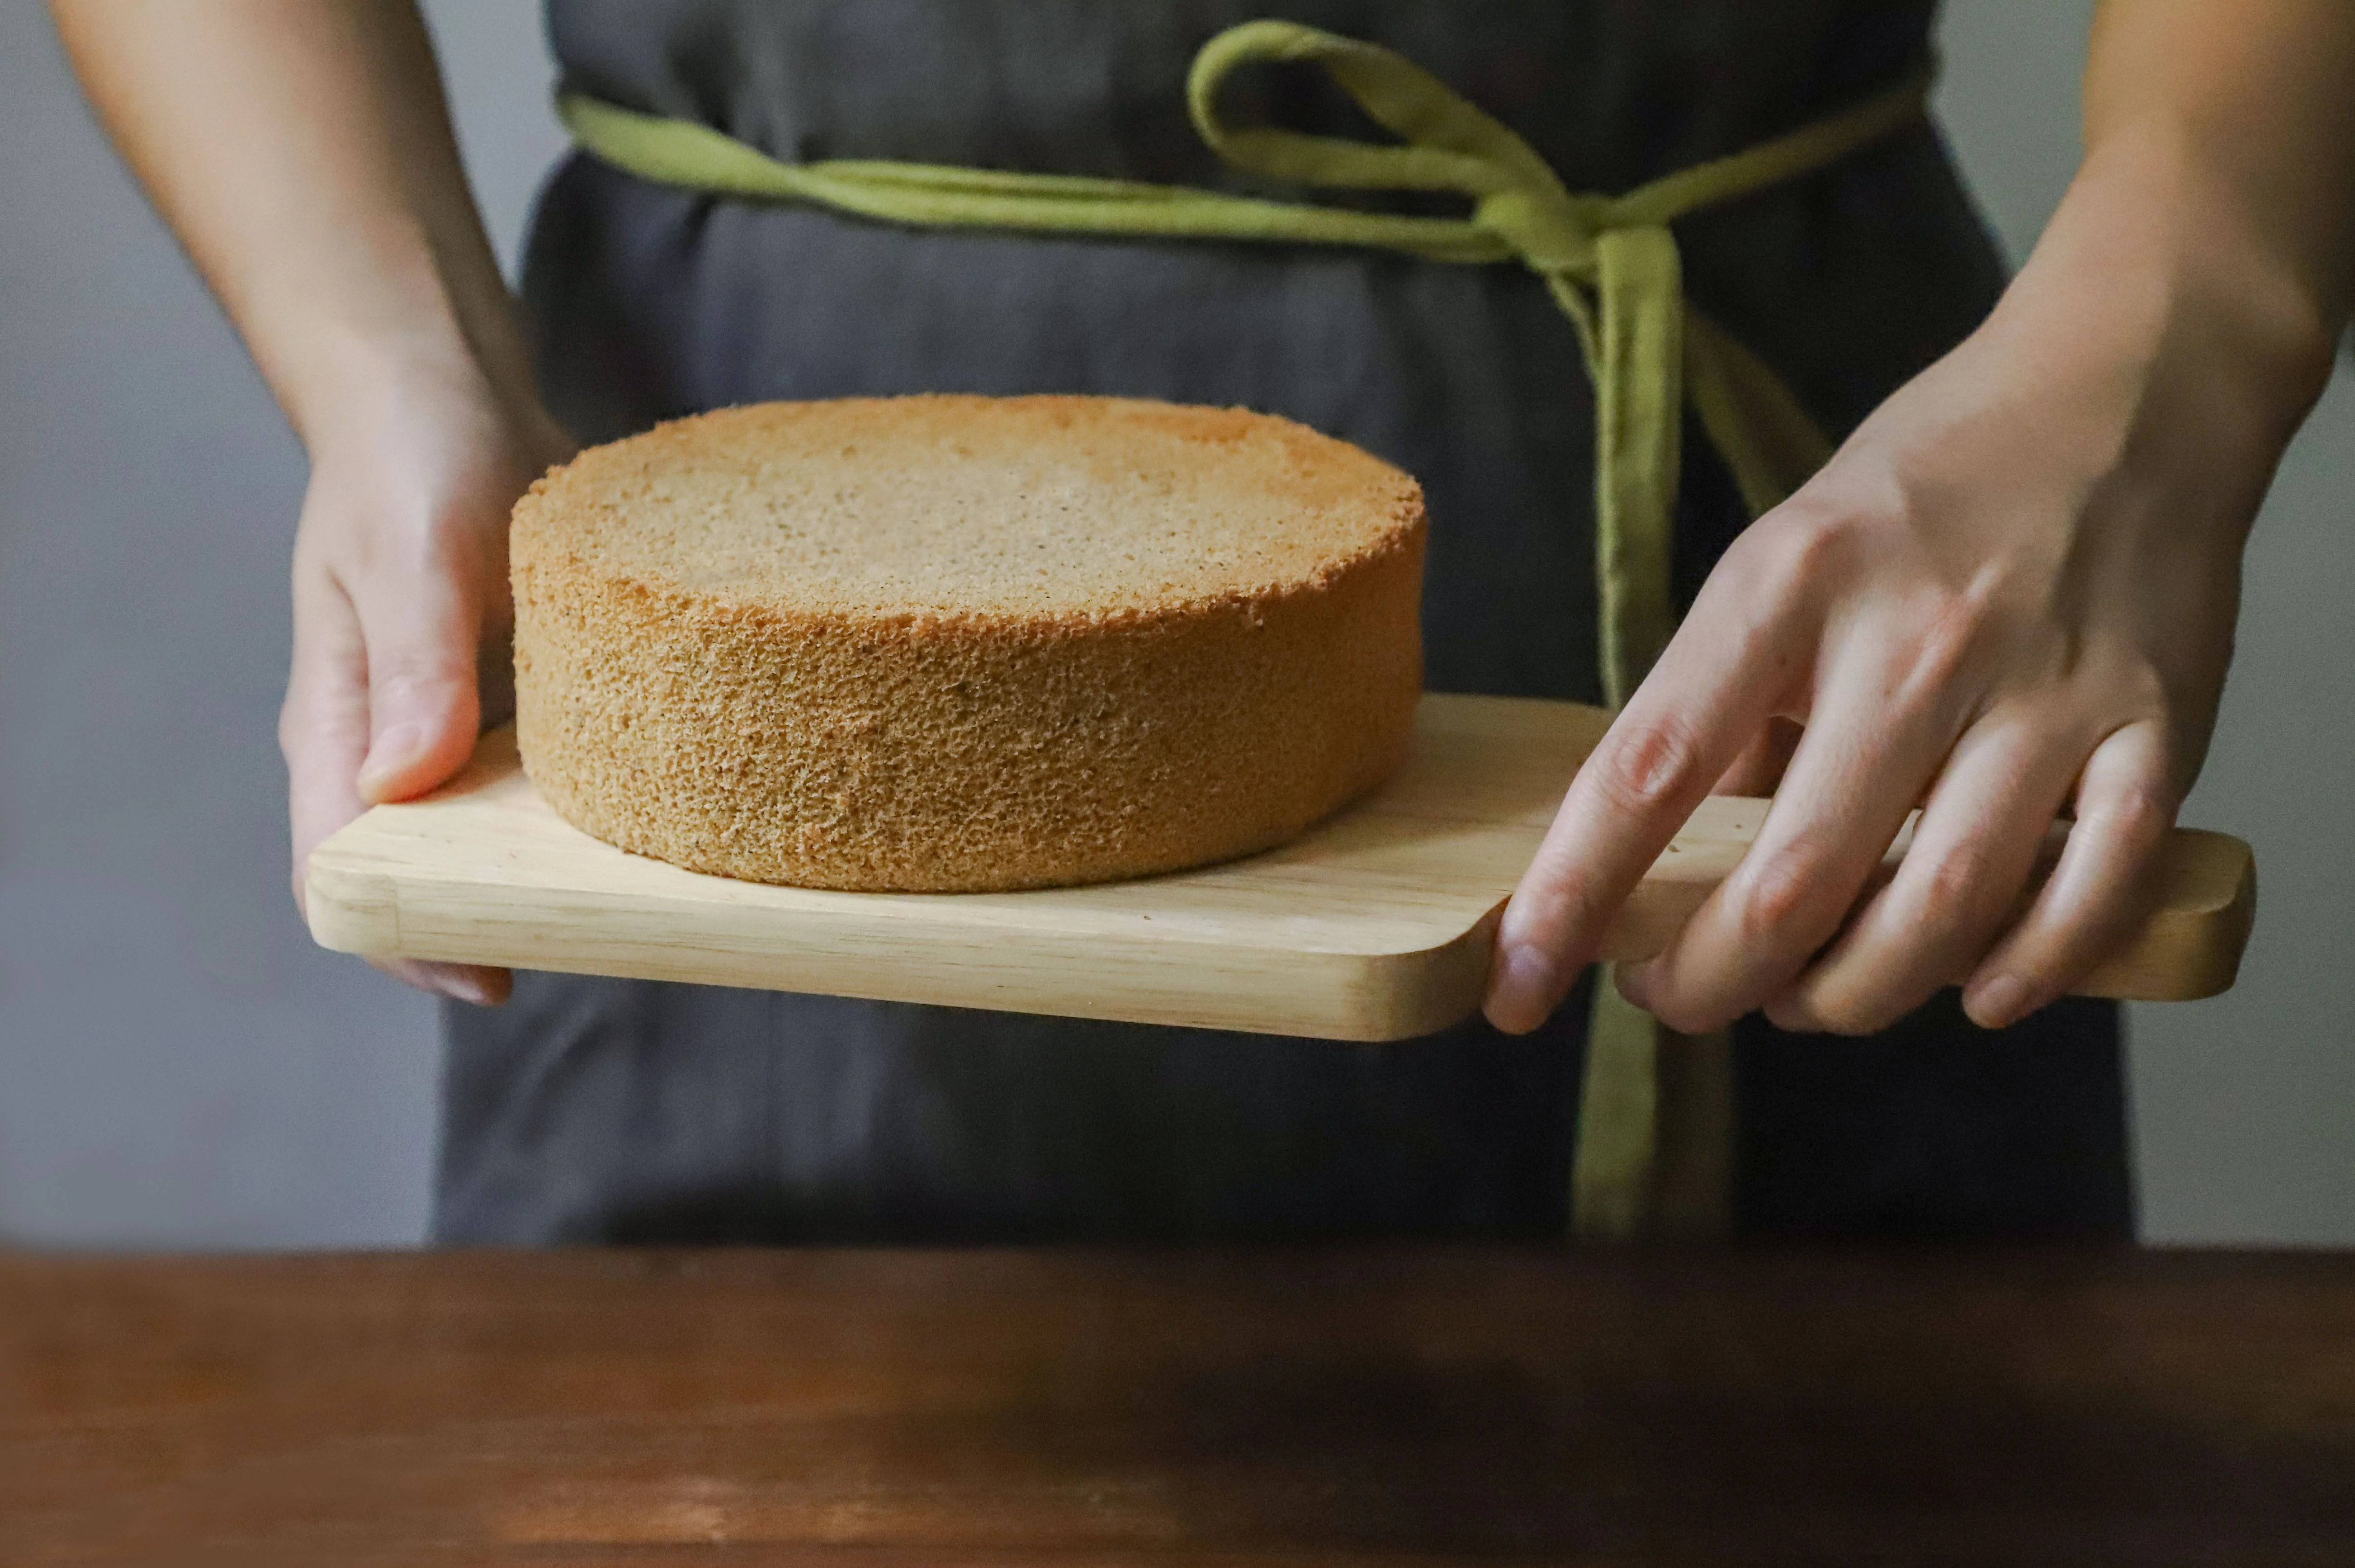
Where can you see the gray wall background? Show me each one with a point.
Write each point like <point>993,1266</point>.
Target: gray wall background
<point>179,1067</point>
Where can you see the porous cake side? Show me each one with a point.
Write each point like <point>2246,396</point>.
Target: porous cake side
<point>958,644</point>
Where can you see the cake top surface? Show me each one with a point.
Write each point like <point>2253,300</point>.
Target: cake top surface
<point>967,507</point>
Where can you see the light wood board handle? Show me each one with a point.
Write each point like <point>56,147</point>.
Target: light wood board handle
<point>2187,947</point>
<point>1376,926</point>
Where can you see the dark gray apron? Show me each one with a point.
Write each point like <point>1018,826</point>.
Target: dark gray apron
<point>594,1109</point>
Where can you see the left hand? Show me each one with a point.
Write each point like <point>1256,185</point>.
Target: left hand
<point>2011,593</point>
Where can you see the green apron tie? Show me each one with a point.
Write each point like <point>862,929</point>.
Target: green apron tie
<point>1610,262</point>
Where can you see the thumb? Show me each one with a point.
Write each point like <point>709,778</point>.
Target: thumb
<point>323,731</point>
<point>422,634</point>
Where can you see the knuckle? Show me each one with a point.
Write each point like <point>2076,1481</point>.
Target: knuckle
<point>1779,893</point>
<point>1787,554</point>
<point>1799,535</point>
<point>1651,768</point>
<point>1942,635</point>
<point>2138,819</point>
<point>1955,888</point>
<point>2142,689</point>
<point>1555,904</point>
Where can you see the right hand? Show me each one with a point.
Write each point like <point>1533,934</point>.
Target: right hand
<point>402,615</point>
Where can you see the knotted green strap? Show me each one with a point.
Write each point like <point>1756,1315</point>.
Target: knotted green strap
<point>1610,262</point>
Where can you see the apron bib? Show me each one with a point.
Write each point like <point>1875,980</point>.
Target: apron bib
<point>599,1108</point>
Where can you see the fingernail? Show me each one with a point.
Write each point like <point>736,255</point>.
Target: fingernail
<point>1997,1001</point>
<point>387,754</point>
<point>1525,980</point>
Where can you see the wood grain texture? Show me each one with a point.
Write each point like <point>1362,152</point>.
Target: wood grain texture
<point>1376,926</point>
<point>877,1408</point>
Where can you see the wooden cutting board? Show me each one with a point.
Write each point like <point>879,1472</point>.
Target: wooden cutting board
<point>1376,926</point>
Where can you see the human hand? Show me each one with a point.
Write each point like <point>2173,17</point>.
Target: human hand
<point>401,608</point>
<point>2011,591</point>
<point>303,155</point>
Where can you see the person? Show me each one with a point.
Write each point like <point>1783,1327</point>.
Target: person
<point>2008,593</point>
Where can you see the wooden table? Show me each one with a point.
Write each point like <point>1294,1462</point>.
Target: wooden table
<point>1402,1407</point>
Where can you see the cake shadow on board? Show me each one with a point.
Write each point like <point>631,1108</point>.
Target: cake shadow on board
<point>808,693</point>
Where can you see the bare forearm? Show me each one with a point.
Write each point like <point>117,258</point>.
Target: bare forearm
<point>2180,310</point>
<point>2257,97</point>
<point>302,151</point>
<point>2220,172</point>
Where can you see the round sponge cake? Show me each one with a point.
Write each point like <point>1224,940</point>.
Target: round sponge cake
<point>948,643</point>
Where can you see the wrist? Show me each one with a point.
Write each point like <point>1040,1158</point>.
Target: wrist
<point>2161,263</point>
<point>387,316</point>
<point>419,439</point>
<point>2168,347</point>
<point>359,380</point>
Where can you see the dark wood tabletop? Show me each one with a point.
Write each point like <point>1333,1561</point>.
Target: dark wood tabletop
<point>884,1408</point>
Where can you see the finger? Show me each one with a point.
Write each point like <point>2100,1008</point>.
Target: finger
<point>323,730</point>
<point>1745,645</point>
<point>474,982</point>
<point>2127,802</point>
<point>1972,853</point>
<point>421,629</point>
<point>1870,747</point>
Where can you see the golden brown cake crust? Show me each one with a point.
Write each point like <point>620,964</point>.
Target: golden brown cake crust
<point>950,643</point>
